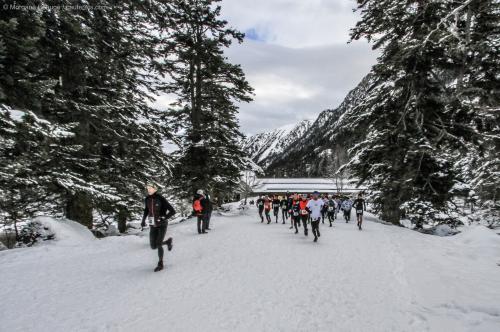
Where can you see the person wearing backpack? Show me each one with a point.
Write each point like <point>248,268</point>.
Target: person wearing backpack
<point>284,209</point>
<point>260,206</point>
<point>276,207</point>
<point>200,210</point>
<point>157,211</point>
<point>267,209</point>
<point>346,207</point>
<point>359,205</point>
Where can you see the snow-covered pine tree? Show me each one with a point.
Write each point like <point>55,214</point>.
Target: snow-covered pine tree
<point>29,145</point>
<point>29,167</point>
<point>207,87</point>
<point>414,128</point>
<point>480,90</point>
<point>94,65</point>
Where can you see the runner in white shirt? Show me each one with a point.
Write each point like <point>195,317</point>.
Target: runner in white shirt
<point>314,206</point>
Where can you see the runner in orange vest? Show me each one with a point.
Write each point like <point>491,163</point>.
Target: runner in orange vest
<point>304,214</point>
<point>267,208</point>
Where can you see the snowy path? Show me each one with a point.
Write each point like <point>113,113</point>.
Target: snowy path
<point>248,276</point>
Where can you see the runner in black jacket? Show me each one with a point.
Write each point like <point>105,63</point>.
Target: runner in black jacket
<point>284,209</point>
<point>276,207</point>
<point>157,210</point>
<point>359,205</point>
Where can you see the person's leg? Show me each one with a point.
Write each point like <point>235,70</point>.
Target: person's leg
<point>296,224</point>
<point>260,214</point>
<point>162,230</point>
<point>201,224</point>
<point>304,223</point>
<point>153,233</point>
<point>360,221</point>
<point>268,217</point>
<point>276,214</point>
<point>209,216</point>
<point>283,215</point>
<point>315,229</point>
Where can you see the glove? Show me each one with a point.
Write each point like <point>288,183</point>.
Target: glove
<point>143,223</point>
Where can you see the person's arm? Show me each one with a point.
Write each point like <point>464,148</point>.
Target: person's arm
<point>169,208</point>
<point>146,211</point>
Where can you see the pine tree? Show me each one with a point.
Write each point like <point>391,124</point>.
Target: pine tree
<point>90,72</point>
<point>415,126</point>
<point>208,88</point>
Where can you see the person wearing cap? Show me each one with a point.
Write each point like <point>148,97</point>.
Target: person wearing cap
<point>201,210</point>
<point>314,207</point>
<point>157,210</point>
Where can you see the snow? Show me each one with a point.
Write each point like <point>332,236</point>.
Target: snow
<point>248,276</point>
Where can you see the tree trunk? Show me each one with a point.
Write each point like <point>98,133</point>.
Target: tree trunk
<point>79,209</point>
<point>390,210</point>
<point>122,220</point>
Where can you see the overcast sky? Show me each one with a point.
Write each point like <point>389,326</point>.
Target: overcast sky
<point>296,57</point>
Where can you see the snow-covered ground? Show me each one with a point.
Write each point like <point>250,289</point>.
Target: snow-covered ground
<point>248,276</point>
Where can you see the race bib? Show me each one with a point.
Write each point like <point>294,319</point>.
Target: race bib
<point>295,213</point>
<point>359,211</point>
<point>303,211</point>
<point>151,221</point>
<point>331,208</point>
<point>276,206</point>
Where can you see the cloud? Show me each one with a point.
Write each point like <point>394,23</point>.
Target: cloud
<point>292,84</point>
<point>296,57</point>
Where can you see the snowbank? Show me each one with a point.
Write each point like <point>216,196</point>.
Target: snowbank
<point>482,238</point>
<point>67,232</point>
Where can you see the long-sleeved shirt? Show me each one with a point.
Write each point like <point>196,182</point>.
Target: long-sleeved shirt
<point>157,208</point>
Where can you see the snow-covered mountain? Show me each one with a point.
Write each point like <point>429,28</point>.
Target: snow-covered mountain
<point>264,148</point>
<point>285,151</point>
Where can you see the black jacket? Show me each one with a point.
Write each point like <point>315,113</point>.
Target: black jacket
<point>260,203</point>
<point>359,204</point>
<point>157,207</point>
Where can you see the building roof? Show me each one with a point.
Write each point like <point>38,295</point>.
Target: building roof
<point>304,185</point>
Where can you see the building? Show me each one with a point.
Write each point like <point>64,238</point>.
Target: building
<point>266,186</point>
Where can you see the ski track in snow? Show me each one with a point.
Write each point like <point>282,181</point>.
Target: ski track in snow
<point>248,276</point>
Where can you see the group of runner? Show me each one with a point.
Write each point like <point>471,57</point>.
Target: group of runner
<point>300,209</point>
<point>303,209</point>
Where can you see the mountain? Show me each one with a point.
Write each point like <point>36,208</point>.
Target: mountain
<point>309,149</point>
<point>264,148</point>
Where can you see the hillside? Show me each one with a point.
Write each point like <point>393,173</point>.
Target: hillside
<point>308,148</point>
<point>264,148</point>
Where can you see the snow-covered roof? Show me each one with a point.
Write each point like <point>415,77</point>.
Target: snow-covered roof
<point>304,185</point>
